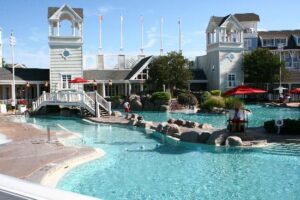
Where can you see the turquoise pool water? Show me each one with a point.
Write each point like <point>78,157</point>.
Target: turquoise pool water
<point>259,115</point>
<point>137,166</point>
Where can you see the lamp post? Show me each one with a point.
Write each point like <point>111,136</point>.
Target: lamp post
<point>280,47</point>
<point>110,84</point>
<point>12,40</point>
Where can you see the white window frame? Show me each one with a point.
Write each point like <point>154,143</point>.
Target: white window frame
<point>280,42</point>
<point>67,85</point>
<point>231,83</point>
<point>268,45</point>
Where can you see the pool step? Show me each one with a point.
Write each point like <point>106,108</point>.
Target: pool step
<point>290,149</point>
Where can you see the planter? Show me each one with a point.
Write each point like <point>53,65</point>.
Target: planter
<point>22,108</point>
<point>3,108</point>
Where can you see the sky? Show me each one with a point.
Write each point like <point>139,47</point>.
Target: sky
<point>28,20</point>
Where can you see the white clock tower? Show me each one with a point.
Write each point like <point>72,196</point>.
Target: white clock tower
<point>66,56</point>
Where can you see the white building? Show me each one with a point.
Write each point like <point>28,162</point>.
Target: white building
<point>226,40</point>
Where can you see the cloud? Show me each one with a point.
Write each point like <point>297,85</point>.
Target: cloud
<point>262,29</point>
<point>152,37</point>
<point>104,10</point>
<point>36,34</point>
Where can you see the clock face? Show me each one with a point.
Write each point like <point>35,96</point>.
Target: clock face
<point>65,53</point>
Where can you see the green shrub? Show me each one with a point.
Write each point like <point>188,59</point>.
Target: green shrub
<point>232,102</point>
<point>183,99</point>
<point>216,92</point>
<point>206,95</point>
<point>214,101</point>
<point>290,127</point>
<point>161,98</point>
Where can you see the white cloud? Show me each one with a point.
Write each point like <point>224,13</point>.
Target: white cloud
<point>262,29</point>
<point>152,37</point>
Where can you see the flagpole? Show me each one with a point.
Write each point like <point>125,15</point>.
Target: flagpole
<point>142,35</point>
<point>161,39</point>
<point>179,26</point>
<point>121,34</point>
<point>100,33</point>
<point>12,44</point>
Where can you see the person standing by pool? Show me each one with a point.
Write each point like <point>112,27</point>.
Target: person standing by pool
<point>126,108</point>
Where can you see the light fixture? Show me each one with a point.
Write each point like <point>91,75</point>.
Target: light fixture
<point>46,84</point>
<point>110,82</point>
<point>27,84</point>
<point>94,82</point>
<point>213,68</point>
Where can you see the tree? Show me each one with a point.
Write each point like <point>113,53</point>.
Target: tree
<point>4,64</point>
<point>262,66</point>
<point>171,70</point>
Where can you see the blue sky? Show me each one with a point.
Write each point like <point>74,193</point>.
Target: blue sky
<point>28,19</point>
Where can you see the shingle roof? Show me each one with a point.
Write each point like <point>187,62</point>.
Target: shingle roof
<point>137,67</point>
<point>240,16</point>
<point>52,10</point>
<point>26,74</point>
<point>280,34</point>
<point>105,74</point>
<point>198,74</point>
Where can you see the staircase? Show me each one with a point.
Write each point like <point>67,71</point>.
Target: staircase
<point>90,103</point>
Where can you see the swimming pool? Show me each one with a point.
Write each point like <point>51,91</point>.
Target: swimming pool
<point>137,166</point>
<point>259,115</point>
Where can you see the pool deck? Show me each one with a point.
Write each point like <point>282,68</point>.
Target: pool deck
<point>30,157</point>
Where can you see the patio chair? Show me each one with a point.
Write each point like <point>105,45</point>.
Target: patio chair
<point>237,125</point>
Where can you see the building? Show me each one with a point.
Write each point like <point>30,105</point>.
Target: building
<point>226,39</point>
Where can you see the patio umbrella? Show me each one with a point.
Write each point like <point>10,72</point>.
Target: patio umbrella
<point>78,80</point>
<point>295,91</point>
<point>244,89</point>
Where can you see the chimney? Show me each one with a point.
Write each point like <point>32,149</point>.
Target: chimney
<point>100,61</point>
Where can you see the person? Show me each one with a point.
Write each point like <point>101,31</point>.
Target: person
<point>288,97</point>
<point>126,108</point>
<point>236,119</point>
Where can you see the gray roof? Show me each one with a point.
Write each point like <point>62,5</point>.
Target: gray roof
<point>106,74</point>
<point>137,67</point>
<point>280,33</point>
<point>242,17</point>
<point>26,74</point>
<point>52,10</point>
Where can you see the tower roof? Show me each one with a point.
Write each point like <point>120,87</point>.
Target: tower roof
<point>52,10</point>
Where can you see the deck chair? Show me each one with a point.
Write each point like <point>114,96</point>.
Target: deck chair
<point>239,125</point>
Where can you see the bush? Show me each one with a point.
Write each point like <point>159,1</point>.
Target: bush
<point>183,99</point>
<point>215,92</point>
<point>232,102</point>
<point>213,101</point>
<point>290,127</point>
<point>161,96</point>
<point>206,95</point>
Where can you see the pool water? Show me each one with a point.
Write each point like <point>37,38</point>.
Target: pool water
<point>137,166</point>
<point>259,114</point>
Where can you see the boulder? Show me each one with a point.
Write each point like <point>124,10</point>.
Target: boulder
<point>190,124</point>
<point>136,105</point>
<point>171,129</point>
<point>133,116</point>
<point>132,122</point>
<point>140,118</point>
<point>217,138</point>
<point>116,114</point>
<point>206,126</point>
<point>203,137</point>
<point>234,141</point>
<point>180,122</point>
<point>160,127</point>
<point>164,108</point>
<point>146,124</point>
<point>191,136</point>
<point>171,121</point>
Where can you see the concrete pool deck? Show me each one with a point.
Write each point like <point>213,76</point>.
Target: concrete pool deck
<point>30,157</point>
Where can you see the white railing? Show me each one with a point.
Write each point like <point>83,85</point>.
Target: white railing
<point>72,98</point>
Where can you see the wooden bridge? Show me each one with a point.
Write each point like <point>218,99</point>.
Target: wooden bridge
<point>92,102</point>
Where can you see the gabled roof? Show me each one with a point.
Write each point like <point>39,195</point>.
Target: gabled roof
<point>26,74</point>
<point>52,10</point>
<point>137,67</point>
<point>111,74</point>
<point>246,17</point>
<point>289,34</point>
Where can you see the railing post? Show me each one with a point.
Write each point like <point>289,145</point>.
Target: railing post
<point>109,108</point>
<point>44,96</point>
<point>97,110</point>
<point>33,106</point>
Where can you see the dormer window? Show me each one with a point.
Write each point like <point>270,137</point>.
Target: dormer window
<point>298,41</point>
<point>281,41</point>
<point>268,43</point>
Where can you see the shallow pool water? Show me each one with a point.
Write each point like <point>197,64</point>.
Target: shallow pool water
<point>137,166</point>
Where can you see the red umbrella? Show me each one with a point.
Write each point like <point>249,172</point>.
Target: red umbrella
<point>78,80</point>
<point>295,91</point>
<point>243,89</point>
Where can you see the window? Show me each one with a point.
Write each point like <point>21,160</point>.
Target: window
<point>247,44</point>
<point>65,78</point>
<point>231,80</point>
<point>268,42</point>
<point>298,41</point>
<point>281,41</point>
